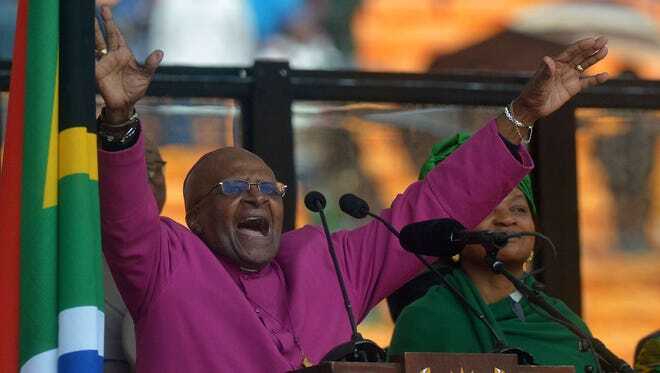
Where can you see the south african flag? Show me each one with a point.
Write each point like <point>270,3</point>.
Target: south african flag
<point>51,281</point>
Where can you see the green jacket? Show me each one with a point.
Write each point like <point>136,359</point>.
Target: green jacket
<point>437,322</point>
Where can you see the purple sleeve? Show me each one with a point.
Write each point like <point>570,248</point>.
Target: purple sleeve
<point>466,186</point>
<point>134,239</point>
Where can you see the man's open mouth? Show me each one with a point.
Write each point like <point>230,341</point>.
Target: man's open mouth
<point>254,226</point>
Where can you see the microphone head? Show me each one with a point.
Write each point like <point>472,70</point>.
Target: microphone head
<point>315,201</point>
<point>353,205</point>
<point>431,237</point>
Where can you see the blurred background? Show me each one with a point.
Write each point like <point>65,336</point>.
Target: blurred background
<point>375,150</point>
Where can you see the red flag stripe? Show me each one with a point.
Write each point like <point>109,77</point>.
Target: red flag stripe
<point>10,199</point>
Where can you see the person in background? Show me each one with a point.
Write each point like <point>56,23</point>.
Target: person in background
<point>233,293</point>
<point>119,342</point>
<point>439,322</point>
<point>217,32</point>
<point>303,41</point>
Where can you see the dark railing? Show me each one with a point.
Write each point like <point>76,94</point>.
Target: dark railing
<point>267,90</point>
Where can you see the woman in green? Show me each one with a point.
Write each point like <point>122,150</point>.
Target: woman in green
<point>438,322</point>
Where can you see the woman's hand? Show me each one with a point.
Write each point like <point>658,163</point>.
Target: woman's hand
<point>560,78</point>
<point>121,80</point>
<point>555,82</point>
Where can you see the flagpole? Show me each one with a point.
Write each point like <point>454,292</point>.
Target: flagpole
<point>80,275</point>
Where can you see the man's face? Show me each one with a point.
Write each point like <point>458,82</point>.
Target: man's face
<point>245,228</point>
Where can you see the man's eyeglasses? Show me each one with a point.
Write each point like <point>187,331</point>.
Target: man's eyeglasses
<point>234,187</point>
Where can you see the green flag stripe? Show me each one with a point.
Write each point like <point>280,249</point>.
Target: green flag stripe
<point>38,320</point>
<point>79,241</point>
<point>38,308</point>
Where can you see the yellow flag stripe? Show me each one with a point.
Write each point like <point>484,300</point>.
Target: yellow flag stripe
<point>78,153</point>
<point>50,190</point>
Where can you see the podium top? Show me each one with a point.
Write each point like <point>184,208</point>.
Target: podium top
<point>427,362</point>
<point>341,367</point>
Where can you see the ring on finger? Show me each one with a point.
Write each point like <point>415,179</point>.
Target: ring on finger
<point>579,68</point>
<point>101,52</point>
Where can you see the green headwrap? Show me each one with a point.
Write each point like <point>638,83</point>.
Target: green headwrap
<point>647,354</point>
<point>444,148</point>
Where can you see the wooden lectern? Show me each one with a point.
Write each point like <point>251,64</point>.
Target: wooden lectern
<point>426,362</point>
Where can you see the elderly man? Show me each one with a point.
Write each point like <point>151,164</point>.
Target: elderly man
<point>233,293</point>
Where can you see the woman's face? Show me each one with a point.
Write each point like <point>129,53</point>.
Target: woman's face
<point>512,215</point>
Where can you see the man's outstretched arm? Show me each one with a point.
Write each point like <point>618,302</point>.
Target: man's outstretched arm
<point>131,230</point>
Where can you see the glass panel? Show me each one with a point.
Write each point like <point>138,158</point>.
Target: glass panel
<point>374,151</point>
<point>7,28</point>
<point>184,130</point>
<point>619,209</point>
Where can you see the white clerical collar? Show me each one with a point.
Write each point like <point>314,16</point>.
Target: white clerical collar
<point>248,270</point>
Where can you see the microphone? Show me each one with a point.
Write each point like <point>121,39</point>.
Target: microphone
<point>354,206</point>
<point>315,201</point>
<point>357,349</point>
<point>359,208</point>
<point>447,237</point>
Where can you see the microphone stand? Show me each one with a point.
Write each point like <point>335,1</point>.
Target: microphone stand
<point>587,342</point>
<point>358,349</point>
<point>340,278</point>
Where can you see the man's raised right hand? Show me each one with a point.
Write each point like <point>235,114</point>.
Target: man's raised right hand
<point>122,81</point>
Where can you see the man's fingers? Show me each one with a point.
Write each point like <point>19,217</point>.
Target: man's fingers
<point>114,35</point>
<point>592,80</point>
<point>153,61</point>
<point>98,35</point>
<point>548,67</point>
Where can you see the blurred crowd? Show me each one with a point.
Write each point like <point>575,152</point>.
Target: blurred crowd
<point>309,33</point>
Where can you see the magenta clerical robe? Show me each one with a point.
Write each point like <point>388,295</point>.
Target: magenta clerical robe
<point>196,313</point>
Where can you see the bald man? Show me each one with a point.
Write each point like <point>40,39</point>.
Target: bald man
<point>245,230</point>
<point>234,294</point>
